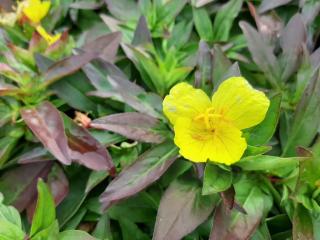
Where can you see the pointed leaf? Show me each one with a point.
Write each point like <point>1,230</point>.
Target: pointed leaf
<point>136,126</point>
<point>215,179</point>
<point>262,133</point>
<point>45,213</point>
<point>25,177</point>
<point>203,23</point>
<point>305,123</point>
<point>224,20</point>
<point>181,210</point>
<point>142,34</point>
<point>262,54</point>
<point>46,123</point>
<point>148,168</point>
<point>85,149</point>
<point>267,5</point>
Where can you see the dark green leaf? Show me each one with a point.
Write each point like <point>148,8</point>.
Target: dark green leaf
<point>216,179</point>
<point>262,133</point>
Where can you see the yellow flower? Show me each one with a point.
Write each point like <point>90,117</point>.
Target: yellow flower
<point>211,129</point>
<point>48,37</point>
<point>35,10</point>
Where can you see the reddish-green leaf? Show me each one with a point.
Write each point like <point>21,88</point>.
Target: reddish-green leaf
<point>85,149</point>
<point>181,210</point>
<point>45,122</point>
<point>148,168</point>
<point>23,191</point>
<point>136,126</point>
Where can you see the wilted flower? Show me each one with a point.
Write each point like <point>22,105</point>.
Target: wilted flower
<point>211,129</point>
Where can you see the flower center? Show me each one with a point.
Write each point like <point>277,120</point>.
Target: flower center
<point>209,118</point>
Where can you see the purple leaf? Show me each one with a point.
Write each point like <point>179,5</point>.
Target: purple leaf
<point>25,177</point>
<point>292,39</point>
<point>59,187</point>
<point>262,54</point>
<point>267,5</point>
<point>37,154</point>
<point>148,168</point>
<point>85,149</point>
<point>46,123</point>
<point>181,210</point>
<point>136,126</point>
<point>119,87</point>
<point>142,34</point>
<point>204,72</point>
<point>105,47</point>
<point>94,49</point>
<point>237,225</point>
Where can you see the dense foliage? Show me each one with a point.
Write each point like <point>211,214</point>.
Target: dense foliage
<point>86,151</point>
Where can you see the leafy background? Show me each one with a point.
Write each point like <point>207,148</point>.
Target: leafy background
<point>86,118</point>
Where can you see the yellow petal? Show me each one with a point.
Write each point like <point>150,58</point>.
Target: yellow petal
<point>46,36</point>
<point>224,145</point>
<point>239,103</point>
<point>36,10</point>
<point>185,101</point>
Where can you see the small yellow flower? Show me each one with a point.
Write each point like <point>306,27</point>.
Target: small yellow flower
<point>35,10</point>
<point>211,129</point>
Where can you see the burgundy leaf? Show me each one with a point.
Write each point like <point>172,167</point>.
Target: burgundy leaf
<point>148,168</point>
<point>93,49</point>
<point>269,25</point>
<point>46,123</point>
<point>262,53</point>
<point>237,225</point>
<point>59,187</point>
<point>105,47</point>
<point>6,5</point>
<point>222,220</point>
<point>292,39</point>
<point>204,72</point>
<point>142,34</point>
<point>19,185</point>
<point>119,87</point>
<point>37,154</point>
<point>136,126</point>
<point>267,5</point>
<point>85,149</point>
<point>181,210</point>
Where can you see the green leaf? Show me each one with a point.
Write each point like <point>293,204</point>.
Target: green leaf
<point>224,20</point>
<point>216,179</point>
<point>131,231</point>
<point>302,224</point>
<point>262,133</point>
<point>306,119</point>
<point>75,235</point>
<point>49,233</point>
<point>9,231</point>
<point>45,213</point>
<point>10,222</point>
<point>237,225</point>
<point>270,164</point>
<point>203,23</point>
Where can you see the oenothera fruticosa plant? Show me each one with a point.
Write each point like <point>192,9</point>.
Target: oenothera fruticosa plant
<point>211,129</point>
